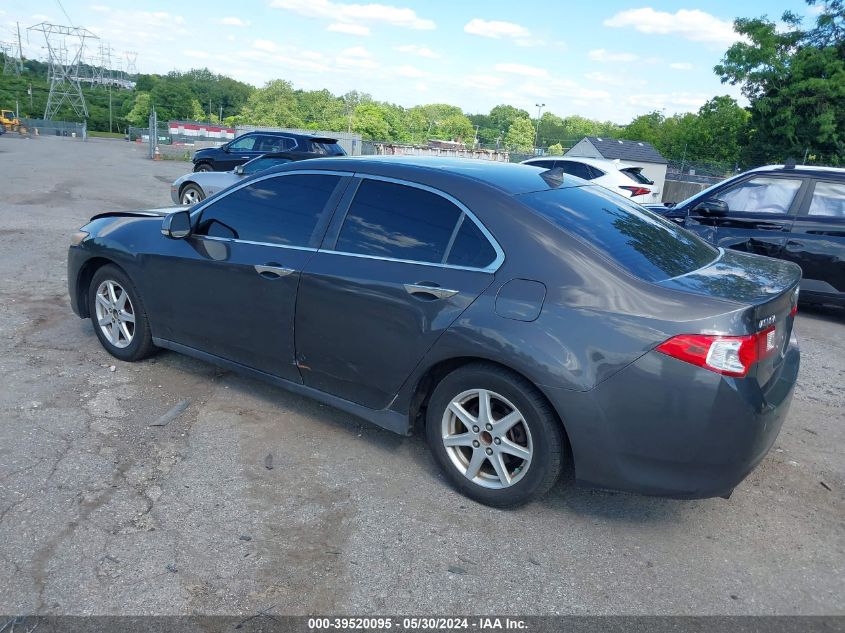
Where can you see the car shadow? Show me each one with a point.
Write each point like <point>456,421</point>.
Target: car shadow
<point>819,312</point>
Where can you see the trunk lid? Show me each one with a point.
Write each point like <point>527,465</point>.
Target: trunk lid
<point>768,290</point>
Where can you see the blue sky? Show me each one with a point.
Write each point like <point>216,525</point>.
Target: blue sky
<point>606,60</point>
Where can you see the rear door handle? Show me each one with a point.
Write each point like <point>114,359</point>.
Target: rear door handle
<point>770,226</point>
<point>420,290</point>
<point>273,272</point>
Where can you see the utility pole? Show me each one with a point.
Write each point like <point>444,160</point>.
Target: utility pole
<point>221,115</point>
<point>540,107</point>
<point>20,49</point>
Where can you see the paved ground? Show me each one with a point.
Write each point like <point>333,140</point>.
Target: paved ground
<point>101,513</point>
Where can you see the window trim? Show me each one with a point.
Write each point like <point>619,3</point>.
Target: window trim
<point>334,231</point>
<point>196,214</point>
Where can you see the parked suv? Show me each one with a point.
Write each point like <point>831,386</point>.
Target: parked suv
<point>623,178</point>
<point>254,144</point>
<point>788,212</point>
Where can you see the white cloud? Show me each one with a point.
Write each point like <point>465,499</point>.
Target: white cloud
<point>483,82</point>
<point>349,29</point>
<point>691,24</point>
<point>196,54</point>
<point>233,21</point>
<point>413,49</point>
<point>602,55</point>
<point>613,80</point>
<point>100,8</point>
<point>675,101</point>
<point>356,57</point>
<point>395,16</point>
<point>681,66</point>
<point>411,71</point>
<point>265,45</point>
<point>496,29</point>
<point>521,69</point>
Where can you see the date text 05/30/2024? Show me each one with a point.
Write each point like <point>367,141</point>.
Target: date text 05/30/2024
<point>418,623</point>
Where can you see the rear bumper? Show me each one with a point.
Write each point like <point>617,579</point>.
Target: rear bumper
<point>664,427</point>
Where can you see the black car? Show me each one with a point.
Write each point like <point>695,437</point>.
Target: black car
<point>788,212</point>
<point>254,144</point>
<point>520,317</point>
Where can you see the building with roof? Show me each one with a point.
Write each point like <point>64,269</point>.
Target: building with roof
<point>636,153</point>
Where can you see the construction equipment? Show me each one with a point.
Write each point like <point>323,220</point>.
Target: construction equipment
<point>9,121</point>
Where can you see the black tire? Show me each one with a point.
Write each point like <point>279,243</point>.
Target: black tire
<point>191,187</point>
<point>141,344</point>
<point>203,167</point>
<point>544,429</point>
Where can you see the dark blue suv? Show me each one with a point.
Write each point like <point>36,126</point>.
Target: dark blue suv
<point>254,144</point>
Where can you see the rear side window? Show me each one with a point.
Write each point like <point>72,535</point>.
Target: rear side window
<point>579,170</point>
<point>392,220</point>
<point>470,247</point>
<point>828,200</point>
<point>545,164</point>
<point>647,245</point>
<point>636,175</point>
<point>283,210</point>
<point>327,149</point>
<point>762,195</point>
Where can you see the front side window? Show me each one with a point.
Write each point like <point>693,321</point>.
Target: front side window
<point>391,220</point>
<point>828,200</point>
<point>762,195</point>
<point>244,144</point>
<point>641,242</point>
<point>282,210</point>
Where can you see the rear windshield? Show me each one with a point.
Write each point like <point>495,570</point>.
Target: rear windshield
<point>640,241</point>
<point>636,175</point>
<point>326,148</point>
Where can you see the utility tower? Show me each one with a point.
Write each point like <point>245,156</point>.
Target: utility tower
<point>131,65</point>
<point>64,65</point>
<point>10,59</point>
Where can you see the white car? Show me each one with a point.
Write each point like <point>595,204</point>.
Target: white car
<point>617,176</point>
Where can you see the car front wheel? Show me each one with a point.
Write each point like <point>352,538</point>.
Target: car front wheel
<point>494,435</point>
<point>118,314</point>
<point>191,194</point>
<point>203,167</point>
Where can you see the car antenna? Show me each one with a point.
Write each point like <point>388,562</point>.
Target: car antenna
<point>553,177</point>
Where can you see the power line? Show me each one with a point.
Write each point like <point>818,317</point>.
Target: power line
<point>61,6</point>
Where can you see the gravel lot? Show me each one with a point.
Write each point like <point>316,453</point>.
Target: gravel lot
<point>100,513</point>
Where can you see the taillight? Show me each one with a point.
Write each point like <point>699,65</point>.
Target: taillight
<point>728,355</point>
<point>636,191</point>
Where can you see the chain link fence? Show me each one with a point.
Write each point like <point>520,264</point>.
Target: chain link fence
<point>45,127</point>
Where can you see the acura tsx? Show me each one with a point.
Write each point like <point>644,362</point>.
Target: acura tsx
<point>519,317</point>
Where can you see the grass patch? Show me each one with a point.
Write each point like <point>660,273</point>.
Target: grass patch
<point>107,134</point>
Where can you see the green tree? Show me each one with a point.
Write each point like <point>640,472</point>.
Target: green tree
<point>139,115</point>
<point>457,127</point>
<point>555,149</point>
<point>274,105</point>
<point>520,135</point>
<point>795,82</point>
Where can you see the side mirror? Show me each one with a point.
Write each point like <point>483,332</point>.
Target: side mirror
<point>712,207</point>
<point>239,170</point>
<point>176,225</point>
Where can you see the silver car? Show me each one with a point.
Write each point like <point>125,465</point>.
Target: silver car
<point>196,186</point>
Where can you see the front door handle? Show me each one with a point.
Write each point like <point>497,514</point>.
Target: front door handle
<point>423,290</point>
<point>273,272</point>
<point>770,226</point>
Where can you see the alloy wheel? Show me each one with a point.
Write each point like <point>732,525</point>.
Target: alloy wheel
<point>190,196</point>
<point>115,313</point>
<point>487,438</point>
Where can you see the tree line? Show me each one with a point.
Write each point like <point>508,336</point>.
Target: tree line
<point>794,79</point>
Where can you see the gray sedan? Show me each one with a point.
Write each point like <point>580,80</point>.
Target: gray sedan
<point>197,186</point>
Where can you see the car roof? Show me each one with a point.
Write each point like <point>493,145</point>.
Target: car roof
<point>807,169</point>
<point>595,162</point>
<point>511,178</point>
<point>311,137</point>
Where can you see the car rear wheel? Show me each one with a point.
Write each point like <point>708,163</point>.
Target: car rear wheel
<point>203,167</point>
<point>494,435</point>
<point>191,194</point>
<point>118,314</point>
